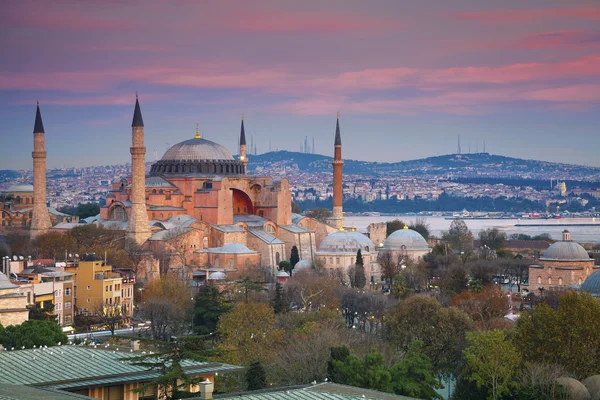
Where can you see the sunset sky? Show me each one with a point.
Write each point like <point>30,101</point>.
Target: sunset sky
<point>406,76</point>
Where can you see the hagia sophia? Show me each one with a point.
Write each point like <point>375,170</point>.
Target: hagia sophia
<point>198,205</point>
<point>214,221</point>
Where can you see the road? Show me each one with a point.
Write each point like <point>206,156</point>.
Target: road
<point>98,334</point>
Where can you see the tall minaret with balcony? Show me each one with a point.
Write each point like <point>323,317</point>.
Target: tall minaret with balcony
<point>40,219</point>
<point>338,216</point>
<point>138,230</point>
<point>243,155</point>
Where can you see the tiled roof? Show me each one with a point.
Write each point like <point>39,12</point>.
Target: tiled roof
<point>21,392</point>
<point>295,229</point>
<point>227,228</point>
<point>59,367</point>
<point>266,237</point>
<point>324,391</point>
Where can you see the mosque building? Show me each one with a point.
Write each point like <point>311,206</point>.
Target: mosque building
<point>200,213</point>
<point>563,264</point>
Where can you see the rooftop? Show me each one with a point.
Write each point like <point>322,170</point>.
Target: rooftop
<point>76,366</point>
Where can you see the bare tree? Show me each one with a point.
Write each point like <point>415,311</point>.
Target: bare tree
<point>312,291</point>
<point>111,315</point>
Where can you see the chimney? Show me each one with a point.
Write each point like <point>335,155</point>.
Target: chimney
<point>135,345</point>
<point>566,236</point>
<point>206,389</point>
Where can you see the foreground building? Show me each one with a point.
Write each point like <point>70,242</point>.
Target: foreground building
<point>100,374</point>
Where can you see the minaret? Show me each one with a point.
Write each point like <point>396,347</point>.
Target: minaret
<point>40,219</point>
<point>243,156</point>
<point>338,217</point>
<point>138,230</point>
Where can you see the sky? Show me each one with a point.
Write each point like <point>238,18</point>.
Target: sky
<point>406,76</point>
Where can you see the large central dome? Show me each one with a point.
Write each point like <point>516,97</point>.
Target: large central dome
<point>197,149</point>
<point>197,156</point>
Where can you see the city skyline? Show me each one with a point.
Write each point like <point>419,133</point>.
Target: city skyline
<point>407,79</point>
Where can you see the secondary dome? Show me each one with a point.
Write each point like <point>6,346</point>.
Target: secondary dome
<point>196,149</point>
<point>565,251</point>
<point>21,187</point>
<point>592,284</point>
<point>405,239</point>
<point>346,242</point>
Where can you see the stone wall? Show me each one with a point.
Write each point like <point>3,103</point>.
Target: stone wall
<point>559,273</point>
<point>377,232</point>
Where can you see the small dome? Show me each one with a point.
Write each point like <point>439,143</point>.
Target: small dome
<point>302,265</point>
<point>282,274</point>
<point>405,239</point>
<point>21,187</point>
<point>195,150</point>
<point>346,242</point>
<point>593,385</point>
<point>565,251</point>
<point>231,248</point>
<point>217,276</point>
<point>575,389</point>
<point>592,284</point>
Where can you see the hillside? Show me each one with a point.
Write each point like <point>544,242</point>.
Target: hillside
<point>466,165</point>
<point>8,174</point>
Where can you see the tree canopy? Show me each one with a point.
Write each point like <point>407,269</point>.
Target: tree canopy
<point>32,333</point>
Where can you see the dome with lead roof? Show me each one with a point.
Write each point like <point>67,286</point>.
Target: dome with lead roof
<point>565,251</point>
<point>196,149</point>
<point>405,239</point>
<point>346,243</point>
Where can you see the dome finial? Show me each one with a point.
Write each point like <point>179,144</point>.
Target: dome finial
<point>197,133</point>
<point>22,178</point>
<point>341,229</point>
<point>405,227</point>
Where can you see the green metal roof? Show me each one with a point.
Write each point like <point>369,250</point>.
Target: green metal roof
<point>77,366</point>
<point>322,391</point>
<point>19,392</point>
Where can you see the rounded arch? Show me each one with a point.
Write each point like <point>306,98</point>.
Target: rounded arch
<point>242,204</point>
<point>117,212</point>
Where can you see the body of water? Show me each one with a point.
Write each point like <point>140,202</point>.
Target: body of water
<point>590,233</point>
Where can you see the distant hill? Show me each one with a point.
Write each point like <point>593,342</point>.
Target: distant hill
<point>7,174</point>
<point>466,165</point>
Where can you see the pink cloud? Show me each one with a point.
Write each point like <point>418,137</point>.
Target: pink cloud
<point>590,12</point>
<point>309,22</point>
<point>563,38</point>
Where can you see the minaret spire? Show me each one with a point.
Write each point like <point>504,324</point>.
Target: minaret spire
<point>138,230</point>
<point>338,215</point>
<point>243,155</point>
<point>40,219</point>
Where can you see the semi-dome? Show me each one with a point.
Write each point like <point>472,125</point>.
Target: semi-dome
<point>405,239</point>
<point>217,276</point>
<point>346,242</point>
<point>197,155</point>
<point>302,265</point>
<point>565,251</point>
<point>21,187</point>
<point>592,284</point>
<point>197,149</point>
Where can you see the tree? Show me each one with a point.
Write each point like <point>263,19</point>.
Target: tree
<point>43,314</point>
<point>54,245</point>
<point>311,291</point>
<point>168,361</point>
<point>420,225</point>
<point>166,305</point>
<point>394,226</point>
<point>454,279</point>
<point>85,210</point>
<point>110,315</point>
<point>568,336</point>
<point>256,376</point>
<point>413,376</point>
<point>399,289</point>
<point>209,306</point>
<point>247,333</point>
<point>296,208</point>
<point>279,303</point>
<point>493,360</point>
<point>247,285</point>
<point>442,330</point>
<point>32,333</point>
<point>483,306</point>
<point>294,258</point>
<point>389,266</point>
<point>320,214</point>
<point>492,238</point>
<point>460,238</point>
<point>359,258</point>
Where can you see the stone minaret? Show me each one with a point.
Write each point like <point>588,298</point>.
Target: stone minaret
<point>338,217</point>
<point>243,156</point>
<point>138,230</point>
<point>40,219</point>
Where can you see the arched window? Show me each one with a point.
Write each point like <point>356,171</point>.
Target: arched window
<point>366,248</point>
<point>549,281</point>
<point>539,279</point>
<point>560,281</point>
<point>161,216</point>
<point>153,215</point>
<point>579,281</point>
<point>277,258</point>
<point>170,215</point>
<point>261,213</point>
